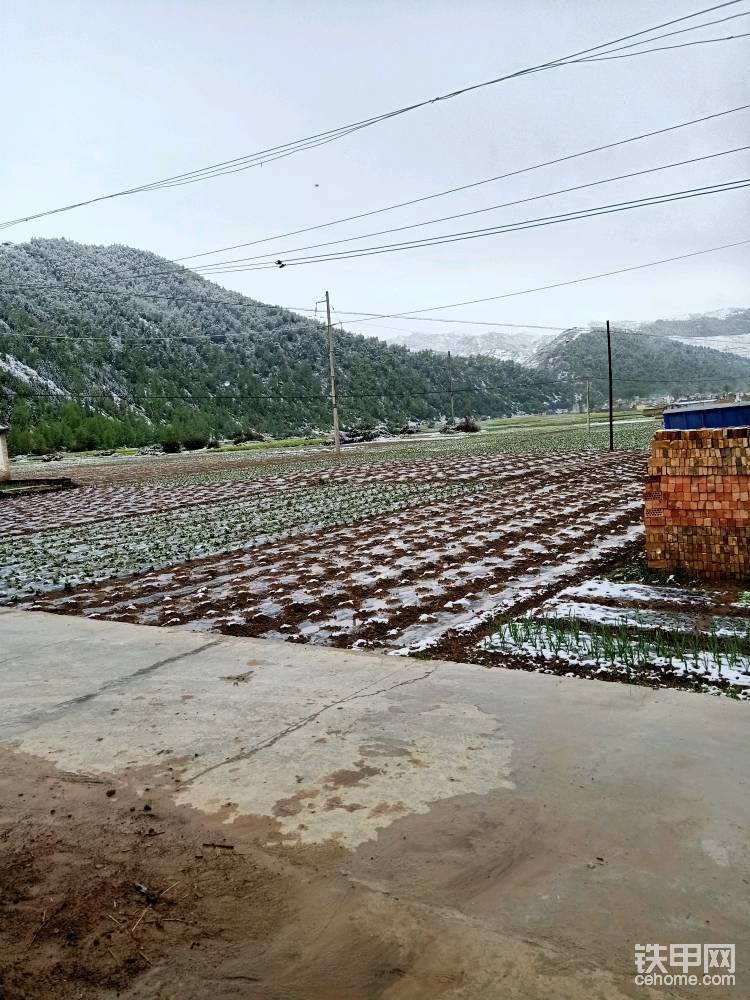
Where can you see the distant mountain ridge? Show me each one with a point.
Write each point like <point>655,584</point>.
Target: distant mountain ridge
<point>106,345</point>
<point>515,345</point>
<point>645,364</point>
<point>726,330</point>
<point>720,323</point>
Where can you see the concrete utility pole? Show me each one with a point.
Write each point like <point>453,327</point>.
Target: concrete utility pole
<point>332,367</point>
<point>450,383</point>
<point>611,406</point>
<point>588,408</point>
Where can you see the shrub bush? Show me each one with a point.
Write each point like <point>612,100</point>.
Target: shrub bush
<point>195,441</point>
<point>247,435</point>
<point>468,425</point>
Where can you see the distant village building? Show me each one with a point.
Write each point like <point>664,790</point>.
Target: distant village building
<point>4,460</point>
<point>698,491</point>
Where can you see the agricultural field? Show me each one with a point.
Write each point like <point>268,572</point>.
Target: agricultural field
<point>463,547</point>
<point>634,632</point>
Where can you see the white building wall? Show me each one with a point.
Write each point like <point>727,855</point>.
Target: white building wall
<point>4,460</point>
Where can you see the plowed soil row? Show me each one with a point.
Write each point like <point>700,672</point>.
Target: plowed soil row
<point>106,502</point>
<point>397,578</point>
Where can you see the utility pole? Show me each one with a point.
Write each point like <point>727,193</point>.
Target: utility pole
<point>450,383</point>
<point>611,400</point>
<point>332,368</point>
<point>588,408</point>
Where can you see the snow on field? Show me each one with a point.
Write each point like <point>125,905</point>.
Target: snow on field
<point>640,593</point>
<point>476,610</point>
<point>403,560</point>
<point>643,618</point>
<point>405,550</point>
<point>639,632</point>
<point>110,501</point>
<point>50,559</point>
<point>710,672</point>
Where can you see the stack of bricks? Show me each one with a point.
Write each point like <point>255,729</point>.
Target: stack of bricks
<point>698,502</point>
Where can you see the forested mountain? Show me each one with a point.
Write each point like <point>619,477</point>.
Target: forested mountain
<point>703,326</point>
<point>644,364</point>
<point>726,330</point>
<point>110,345</point>
<point>101,346</point>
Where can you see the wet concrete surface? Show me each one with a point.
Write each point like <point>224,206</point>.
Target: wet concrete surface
<point>516,834</point>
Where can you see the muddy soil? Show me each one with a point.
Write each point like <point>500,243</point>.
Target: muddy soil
<point>107,889</point>
<point>125,470</point>
<point>368,582</point>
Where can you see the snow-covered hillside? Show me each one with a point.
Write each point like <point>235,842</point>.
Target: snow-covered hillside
<point>513,345</point>
<point>725,330</point>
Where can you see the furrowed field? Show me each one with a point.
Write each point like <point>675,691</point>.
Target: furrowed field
<point>427,547</point>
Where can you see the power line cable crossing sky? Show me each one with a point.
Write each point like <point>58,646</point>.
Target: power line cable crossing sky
<point>607,119</point>
<point>288,149</point>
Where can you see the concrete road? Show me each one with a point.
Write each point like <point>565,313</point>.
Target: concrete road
<point>515,834</point>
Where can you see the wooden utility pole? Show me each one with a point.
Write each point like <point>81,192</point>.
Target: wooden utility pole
<point>450,384</point>
<point>611,398</point>
<point>588,407</point>
<point>332,368</point>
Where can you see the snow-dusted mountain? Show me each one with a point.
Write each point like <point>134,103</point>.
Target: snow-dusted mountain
<point>645,365</point>
<point>101,346</point>
<point>512,345</point>
<point>725,330</point>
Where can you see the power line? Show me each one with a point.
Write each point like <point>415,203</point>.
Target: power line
<point>214,267</point>
<point>206,338</point>
<point>219,338</point>
<point>323,399</point>
<point>682,31</point>
<point>412,313</point>
<point>208,269</point>
<point>473,184</point>
<point>456,319</point>
<point>665,48</point>
<point>461,236</point>
<point>287,149</point>
<point>179,271</point>
<point>518,384</point>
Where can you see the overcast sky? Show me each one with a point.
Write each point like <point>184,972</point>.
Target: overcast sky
<point>103,95</point>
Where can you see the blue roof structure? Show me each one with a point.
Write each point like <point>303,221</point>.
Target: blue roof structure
<point>695,416</point>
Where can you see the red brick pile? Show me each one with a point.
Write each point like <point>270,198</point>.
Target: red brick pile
<point>698,502</point>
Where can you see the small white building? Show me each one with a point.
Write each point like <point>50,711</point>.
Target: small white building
<point>4,460</point>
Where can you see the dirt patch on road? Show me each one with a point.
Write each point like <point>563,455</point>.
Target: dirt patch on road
<point>99,883</point>
<point>108,890</point>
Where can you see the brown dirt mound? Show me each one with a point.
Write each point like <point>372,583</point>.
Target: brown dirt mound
<point>98,884</point>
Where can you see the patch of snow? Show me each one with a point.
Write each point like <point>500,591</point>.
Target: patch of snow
<point>29,375</point>
<point>639,593</point>
<point>643,618</point>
